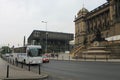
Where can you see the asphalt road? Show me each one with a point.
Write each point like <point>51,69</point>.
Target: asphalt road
<point>73,70</point>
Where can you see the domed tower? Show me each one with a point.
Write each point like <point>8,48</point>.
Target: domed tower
<point>82,12</point>
<point>80,26</point>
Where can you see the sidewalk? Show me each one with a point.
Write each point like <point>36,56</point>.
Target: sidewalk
<point>16,73</point>
<point>65,56</point>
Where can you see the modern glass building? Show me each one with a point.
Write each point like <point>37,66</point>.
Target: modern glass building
<point>53,41</point>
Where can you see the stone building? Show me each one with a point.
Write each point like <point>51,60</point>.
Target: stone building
<point>56,41</point>
<point>105,18</point>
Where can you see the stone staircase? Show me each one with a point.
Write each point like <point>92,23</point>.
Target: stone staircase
<point>76,52</point>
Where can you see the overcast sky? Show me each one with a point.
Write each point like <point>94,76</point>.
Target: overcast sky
<point>18,18</point>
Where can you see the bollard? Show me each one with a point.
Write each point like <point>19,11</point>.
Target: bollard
<point>39,69</point>
<point>16,63</point>
<point>22,65</point>
<point>13,61</point>
<point>7,71</point>
<point>29,66</point>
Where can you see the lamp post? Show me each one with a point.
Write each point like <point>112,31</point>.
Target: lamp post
<point>8,47</point>
<point>46,35</point>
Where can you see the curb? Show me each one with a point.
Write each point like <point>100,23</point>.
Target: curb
<point>88,60</point>
<point>42,77</point>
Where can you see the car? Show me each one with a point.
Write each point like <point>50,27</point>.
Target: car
<point>45,59</point>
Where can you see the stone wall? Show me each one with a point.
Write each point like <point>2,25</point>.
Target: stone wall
<point>115,50</point>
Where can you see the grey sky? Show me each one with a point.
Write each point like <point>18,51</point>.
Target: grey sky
<point>18,18</point>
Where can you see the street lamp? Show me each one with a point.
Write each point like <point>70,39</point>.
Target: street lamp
<point>46,34</point>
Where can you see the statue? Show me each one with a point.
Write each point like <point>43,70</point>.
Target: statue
<point>98,36</point>
<point>85,41</point>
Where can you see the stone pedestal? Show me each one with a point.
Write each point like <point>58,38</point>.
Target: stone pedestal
<point>96,50</point>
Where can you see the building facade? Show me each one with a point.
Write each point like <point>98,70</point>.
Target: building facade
<point>55,41</point>
<point>105,18</point>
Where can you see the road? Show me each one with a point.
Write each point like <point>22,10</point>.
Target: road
<point>79,70</point>
<point>74,70</point>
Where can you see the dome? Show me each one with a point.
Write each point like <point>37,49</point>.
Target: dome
<point>83,11</point>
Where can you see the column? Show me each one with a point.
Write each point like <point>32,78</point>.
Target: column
<point>112,11</point>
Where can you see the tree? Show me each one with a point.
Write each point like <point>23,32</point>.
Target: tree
<point>5,49</point>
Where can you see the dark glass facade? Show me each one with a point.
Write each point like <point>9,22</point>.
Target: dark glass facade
<point>56,41</point>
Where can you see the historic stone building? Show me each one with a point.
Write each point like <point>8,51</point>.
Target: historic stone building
<point>105,18</point>
<point>55,41</point>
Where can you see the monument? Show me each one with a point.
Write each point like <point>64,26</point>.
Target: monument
<point>97,49</point>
